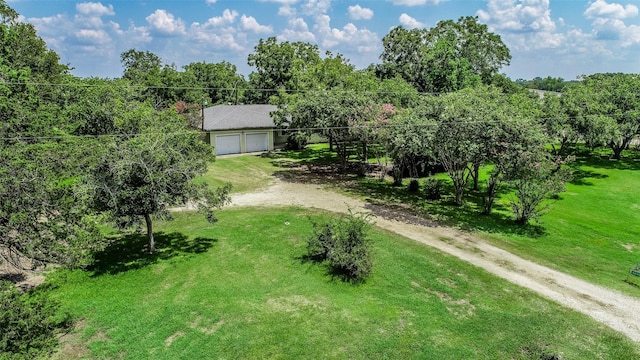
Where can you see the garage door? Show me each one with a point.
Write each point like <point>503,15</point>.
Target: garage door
<point>257,142</point>
<point>227,144</point>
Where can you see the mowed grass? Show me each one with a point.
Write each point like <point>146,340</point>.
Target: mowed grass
<point>246,173</point>
<point>593,231</point>
<point>241,289</point>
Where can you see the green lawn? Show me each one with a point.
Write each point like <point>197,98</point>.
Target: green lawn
<point>241,289</point>
<point>246,172</point>
<point>592,232</point>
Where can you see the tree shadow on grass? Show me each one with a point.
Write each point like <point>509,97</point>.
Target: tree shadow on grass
<point>129,252</point>
<point>630,160</point>
<point>581,176</point>
<point>397,203</point>
<point>335,274</point>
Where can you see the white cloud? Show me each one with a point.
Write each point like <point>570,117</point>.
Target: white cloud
<point>290,2</point>
<point>602,9</point>
<point>409,22</point>
<point>349,36</point>
<point>92,37</point>
<point>48,24</point>
<point>223,39</point>
<point>227,18</point>
<point>316,7</point>
<point>608,24</point>
<point>357,12</point>
<point>518,15</point>
<point>210,2</point>
<point>297,30</point>
<point>94,9</point>
<point>131,36</point>
<point>416,2</point>
<point>287,10</point>
<point>250,23</point>
<point>164,23</point>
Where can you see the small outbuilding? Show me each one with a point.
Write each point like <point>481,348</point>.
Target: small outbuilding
<point>235,129</point>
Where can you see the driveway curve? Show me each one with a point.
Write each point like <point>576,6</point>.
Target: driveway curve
<point>619,311</point>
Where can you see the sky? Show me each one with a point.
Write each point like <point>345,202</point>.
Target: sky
<point>558,38</point>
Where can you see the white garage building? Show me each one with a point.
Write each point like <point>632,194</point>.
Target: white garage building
<point>234,129</point>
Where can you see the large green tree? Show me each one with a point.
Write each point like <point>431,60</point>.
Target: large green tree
<point>338,115</point>
<point>142,176</point>
<point>220,82</point>
<point>277,65</point>
<point>607,109</point>
<point>43,207</point>
<point>448,57</point>
<point>162,85</point>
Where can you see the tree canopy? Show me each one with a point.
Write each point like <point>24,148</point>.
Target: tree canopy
<point>144,175</point>
<point>448,57</point>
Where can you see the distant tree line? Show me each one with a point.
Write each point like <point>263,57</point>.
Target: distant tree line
<point>547,84</point>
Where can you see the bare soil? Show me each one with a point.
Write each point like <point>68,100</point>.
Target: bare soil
<point>617,310</point>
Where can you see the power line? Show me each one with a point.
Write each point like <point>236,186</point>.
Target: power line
<point>207,88</point>
<point>432,124</point>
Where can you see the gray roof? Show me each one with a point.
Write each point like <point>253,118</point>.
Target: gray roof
<point>231,117</point>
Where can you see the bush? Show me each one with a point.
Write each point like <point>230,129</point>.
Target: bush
<point>344,245</point>
<point>433,188</point>
<point>321,242</point>
<point>28,323</point>
<point>414,185</point>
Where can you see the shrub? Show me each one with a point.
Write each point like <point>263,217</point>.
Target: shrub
<point>28,322</point>
<point>320,243</point>
<point>344,245</point>
<point>433,188</point>
<point>414,185</point>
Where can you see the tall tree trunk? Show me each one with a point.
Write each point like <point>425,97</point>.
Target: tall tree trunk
<point>492,187</point>
<point>365,152</point>
<point>476,175</point>
<point>152,243</point>
<point>459,192</point>
<point>618,147</point>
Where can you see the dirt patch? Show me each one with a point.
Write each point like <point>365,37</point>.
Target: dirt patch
<point>460,308</point>
<point>172,338</point>
<point>629,247</point>
<point>607,306</point>
<point>293,304</point>
<point>208,329</point>
<point>399,213</point>
<point>73,346</point>
<point>24,279</point>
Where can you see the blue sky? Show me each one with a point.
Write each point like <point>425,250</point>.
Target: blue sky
<point>564,38</point>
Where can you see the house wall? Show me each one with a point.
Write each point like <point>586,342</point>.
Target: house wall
<point>211,137</point>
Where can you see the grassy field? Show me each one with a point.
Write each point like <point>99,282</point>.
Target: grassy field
<point>246,173</point>
<point>241,289</point>
<point>592,232</point>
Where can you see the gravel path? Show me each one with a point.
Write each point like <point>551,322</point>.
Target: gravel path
<point>619,311</point>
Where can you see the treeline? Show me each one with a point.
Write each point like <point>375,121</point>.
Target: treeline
<point>76,152</point>
<point>547,84</point>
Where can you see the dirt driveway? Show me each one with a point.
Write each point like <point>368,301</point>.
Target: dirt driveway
<point>619,311</point>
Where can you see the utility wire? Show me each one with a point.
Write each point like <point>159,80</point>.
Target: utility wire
<point>431,124</point>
